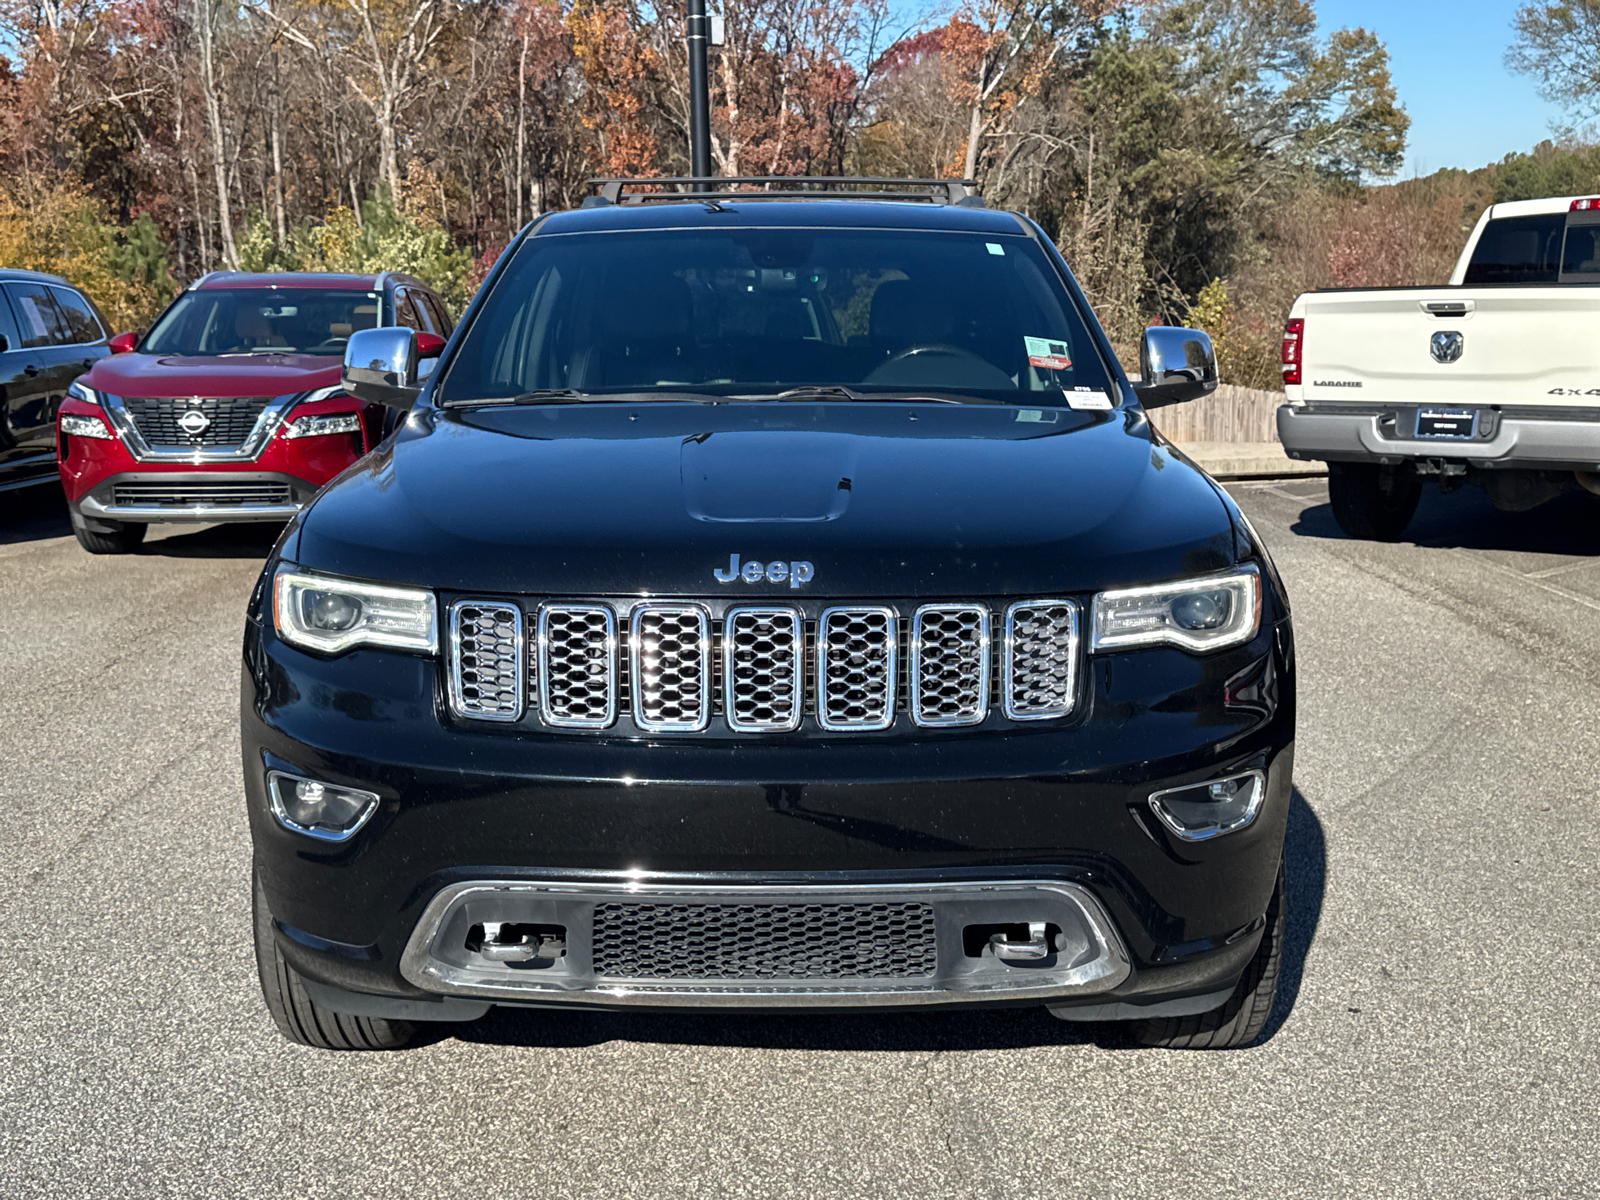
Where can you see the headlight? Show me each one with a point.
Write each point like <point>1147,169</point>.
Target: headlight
<point>1211,612</point>
<point>316,425</point>
<point>331,615</point>
<point>82,391</point>
<point>80,426</point>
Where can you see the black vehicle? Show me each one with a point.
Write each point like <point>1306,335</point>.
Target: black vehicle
<point>771,600</point>
<point>50,333</point>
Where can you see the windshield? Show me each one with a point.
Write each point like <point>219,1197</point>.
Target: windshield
<point>261,321</point>
<point>759,311</point>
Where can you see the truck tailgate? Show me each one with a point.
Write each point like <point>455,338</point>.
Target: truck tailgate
<point>1519,346</point>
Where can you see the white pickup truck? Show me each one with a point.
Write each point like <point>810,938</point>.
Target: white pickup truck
<point>1491,379</point>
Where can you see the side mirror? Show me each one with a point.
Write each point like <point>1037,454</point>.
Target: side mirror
<point>429,344</point>
<point>380,366</point>
<point>1175,365</point>
<point>123,343</point>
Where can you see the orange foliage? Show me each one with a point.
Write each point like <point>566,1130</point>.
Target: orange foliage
<point>617,63</point>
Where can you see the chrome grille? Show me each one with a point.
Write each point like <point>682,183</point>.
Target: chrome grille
<point>577,668</point>
<point>764,941</point>
<point>950,664</point>
<point>213,495</point>
<point>486,677</point>
<point>232,418</point>
<point>856,668</point>
<point>670,660</point>
<point>762,671</point>
<point>1041,666</point>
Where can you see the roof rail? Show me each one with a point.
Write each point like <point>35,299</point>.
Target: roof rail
<point>669,188</point>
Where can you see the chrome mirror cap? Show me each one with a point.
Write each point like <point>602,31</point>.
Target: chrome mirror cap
<point>1175,365</point>
<point>380,366</point>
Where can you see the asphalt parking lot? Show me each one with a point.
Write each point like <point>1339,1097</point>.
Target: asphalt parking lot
<point>1438,1033</point>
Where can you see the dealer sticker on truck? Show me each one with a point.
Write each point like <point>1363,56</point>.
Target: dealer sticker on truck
<point>1048,354</point>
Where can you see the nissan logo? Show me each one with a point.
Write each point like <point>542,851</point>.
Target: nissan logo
<point>194,422</point>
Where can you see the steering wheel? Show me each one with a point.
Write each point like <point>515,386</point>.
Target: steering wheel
<point>930,348</point>
<point>939,364</point>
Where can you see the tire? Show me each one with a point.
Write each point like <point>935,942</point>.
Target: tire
<point>124,541</point>
<point>1373,502</point>
<point>1238,1022</point>
<point>300,1018</point>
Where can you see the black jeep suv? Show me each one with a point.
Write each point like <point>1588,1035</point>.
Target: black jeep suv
<point>773,599</point>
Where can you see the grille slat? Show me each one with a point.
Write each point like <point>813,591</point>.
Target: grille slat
<point>707,942</point>
<point>168,495</point>
<point>670,659</point>
<point>949,665</point>
<point>856,668</point>
<point>762,650</point>
<point>577,669</point>
<point>1041,660</point>
<point>231,419</point>
<point>486,678</point>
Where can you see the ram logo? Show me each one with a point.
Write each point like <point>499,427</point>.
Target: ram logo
<point>793,573</point>
<point>1447,345</point>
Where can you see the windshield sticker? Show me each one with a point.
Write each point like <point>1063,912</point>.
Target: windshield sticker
<point>1037,416</point>
<point>1086,398</point>
<point>1048,355</point>
<point>996,248</point>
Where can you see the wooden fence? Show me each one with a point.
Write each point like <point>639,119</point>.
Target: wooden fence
<point>1229,414</point>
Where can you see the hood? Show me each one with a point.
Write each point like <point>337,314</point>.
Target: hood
<point>212,375</point>
<point>891,500</point>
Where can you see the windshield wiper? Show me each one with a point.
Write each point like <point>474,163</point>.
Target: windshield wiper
<point>573,396</point>
<point>810,391</point>
<point>552,396</point>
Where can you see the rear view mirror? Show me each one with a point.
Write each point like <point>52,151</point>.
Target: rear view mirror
<point>380,366</point>
<point>1175,365</point>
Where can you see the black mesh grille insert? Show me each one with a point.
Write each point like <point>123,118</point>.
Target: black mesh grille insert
<point>764,941</point>
<point>229,419</point>
<point>177,495</point>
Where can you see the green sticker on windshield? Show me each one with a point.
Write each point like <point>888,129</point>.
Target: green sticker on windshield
<point>1048,354</point>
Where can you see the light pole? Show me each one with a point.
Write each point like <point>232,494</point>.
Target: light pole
<point>699,95</point>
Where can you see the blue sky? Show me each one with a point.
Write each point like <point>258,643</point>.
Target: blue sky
<point>1466,109</point>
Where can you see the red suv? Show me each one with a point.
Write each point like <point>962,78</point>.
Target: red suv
<point>230,407</point>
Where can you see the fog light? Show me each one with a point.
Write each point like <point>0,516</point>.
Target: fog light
<point>1199,811</point>
<point>320,810</point>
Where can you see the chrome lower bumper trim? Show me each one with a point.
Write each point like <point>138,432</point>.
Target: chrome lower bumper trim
<point>1517,442</point>
<point>1089,959</point>
<point>193,513</point>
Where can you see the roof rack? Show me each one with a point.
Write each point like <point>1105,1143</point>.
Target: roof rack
<point>660,189</point>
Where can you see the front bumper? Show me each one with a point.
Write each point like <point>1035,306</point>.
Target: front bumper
<point>106,485</point>
<point>1047,824</point>
<point>1518,438</point>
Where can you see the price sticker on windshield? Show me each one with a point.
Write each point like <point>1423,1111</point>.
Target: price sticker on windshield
<point>1048,354</point>
<point>1092,399</point>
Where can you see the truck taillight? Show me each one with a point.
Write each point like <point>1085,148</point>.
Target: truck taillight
<point>1585,205</point>
<point>1294,331</point>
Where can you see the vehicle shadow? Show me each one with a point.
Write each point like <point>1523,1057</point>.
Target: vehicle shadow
<point>240,539</point>
<point>1468,520</point>
<point>1305,865</point>
<point>33,514</point>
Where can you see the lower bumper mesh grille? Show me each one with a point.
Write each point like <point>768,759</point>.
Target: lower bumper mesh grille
<point>764,941</point>
<point>172,495</point>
